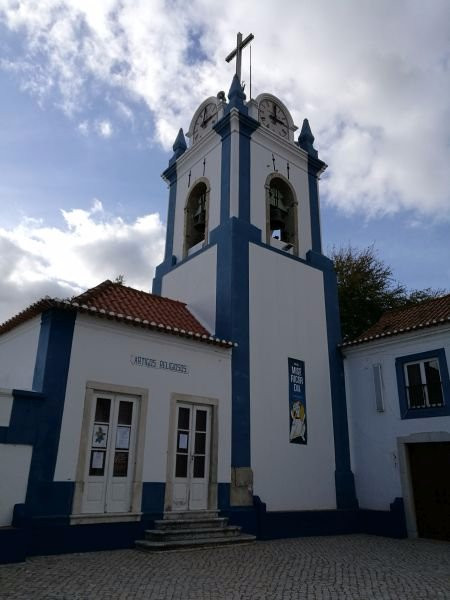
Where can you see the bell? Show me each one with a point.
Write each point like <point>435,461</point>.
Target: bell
<point>200,218</point>
<point>277,218</point>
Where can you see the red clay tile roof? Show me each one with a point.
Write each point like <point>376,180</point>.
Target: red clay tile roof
<point>122,303</point>
<point>428,313</point>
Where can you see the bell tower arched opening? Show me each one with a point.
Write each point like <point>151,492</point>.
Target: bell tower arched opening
<point>281,214</point>
<point>196,217</point>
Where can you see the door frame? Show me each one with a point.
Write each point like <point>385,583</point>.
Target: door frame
<point>405,472</point>
<point>92,389</point>
<point>213,403</point>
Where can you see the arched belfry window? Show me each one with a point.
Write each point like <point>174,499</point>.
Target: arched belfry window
<point>196,217</point>
<point>281,214</point>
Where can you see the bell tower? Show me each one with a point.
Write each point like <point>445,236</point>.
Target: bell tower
<point>243,249</point>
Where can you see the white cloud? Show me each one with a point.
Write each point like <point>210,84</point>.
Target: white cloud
<point>36,260</point>
<point>83,127</point>
<point>104,129</point>
<point>372,77</point>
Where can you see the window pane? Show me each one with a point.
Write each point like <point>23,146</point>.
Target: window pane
<point>416,396</point>
<point>432,371</point>
<point>199,466</point>
<point>181,465</point>
<point>183,418</point>
<point>120,464</point>
<point>200,443</point>
<point>102,410</point>
<point>200,420</point>
<point>414,377</point>
<point>125,413</point>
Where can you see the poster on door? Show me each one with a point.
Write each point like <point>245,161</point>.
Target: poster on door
<point>297,402</point>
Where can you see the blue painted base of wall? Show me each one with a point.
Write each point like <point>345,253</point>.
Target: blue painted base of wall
<point>40,536</point>
<point>49,536</point>
<point>268,525</point>
<point>13,545</point>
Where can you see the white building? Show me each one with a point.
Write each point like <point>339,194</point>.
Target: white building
<point>398,394</point>
<point>120,406</point>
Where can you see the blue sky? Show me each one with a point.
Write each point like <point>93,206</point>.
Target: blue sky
<point>92,98</point>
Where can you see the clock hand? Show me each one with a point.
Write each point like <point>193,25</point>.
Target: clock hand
<point>208,119</point>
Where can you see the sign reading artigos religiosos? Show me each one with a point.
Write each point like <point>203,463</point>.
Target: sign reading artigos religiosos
<point>297,402</point>
<point>153,363</point>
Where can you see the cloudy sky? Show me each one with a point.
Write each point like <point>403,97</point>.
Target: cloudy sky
<point>93,94</point>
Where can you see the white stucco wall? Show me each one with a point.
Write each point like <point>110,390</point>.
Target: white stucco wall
<point>15,462</point>
<point>101,352</point>
<point>194,282</point>
<point>373,435</point>
<point>18,349</point>
<point>263,144</point>
<point>287,319</point>
<point>210,150</point>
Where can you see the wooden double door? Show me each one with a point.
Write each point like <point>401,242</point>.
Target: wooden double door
<point>429,465</point>
<point>192,449</point>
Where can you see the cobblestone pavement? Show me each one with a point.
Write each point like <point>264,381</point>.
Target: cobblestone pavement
<point>317,568</point>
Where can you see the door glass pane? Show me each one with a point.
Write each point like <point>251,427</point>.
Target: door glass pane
<point>100,435</point>
<point>123,437</point>
<point>200,443</point>
<point>125,413</point>
<point>200,420</point>
<point>433,383</point>
<point>97,464</point>
<point>183,418</point>
<point>183,442</point>
<point>199,466</point>
<point>181,465</point>
<point>120,464</point>
<point>102,410</point>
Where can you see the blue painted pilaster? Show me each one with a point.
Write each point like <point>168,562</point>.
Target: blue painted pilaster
<point>247,126</point>
<point>170,174</point>
<point>223,128</point>
<point>44,496</point>
<point>232,322</point>
<point>345,483</point>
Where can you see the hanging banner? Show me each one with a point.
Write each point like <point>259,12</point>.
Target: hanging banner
<point>297,402</point>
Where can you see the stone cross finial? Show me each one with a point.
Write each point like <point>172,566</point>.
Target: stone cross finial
<point>237,52</point>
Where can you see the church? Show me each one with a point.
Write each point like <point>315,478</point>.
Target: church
<point>221,395</point>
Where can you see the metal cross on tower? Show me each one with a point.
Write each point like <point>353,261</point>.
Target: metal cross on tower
<point>237,52</point>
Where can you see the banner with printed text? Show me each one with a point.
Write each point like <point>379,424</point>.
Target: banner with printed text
<point>297,402</point>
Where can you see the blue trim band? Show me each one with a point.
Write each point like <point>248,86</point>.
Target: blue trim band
<point>24,418</point>
<point>345,483</point>
<point>421,413</point>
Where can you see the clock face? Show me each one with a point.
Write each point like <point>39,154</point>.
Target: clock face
<point>273,117</point>
<point>205,121</point>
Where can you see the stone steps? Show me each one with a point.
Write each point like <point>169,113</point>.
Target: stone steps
<point>196,523</point>
<point>170,535</point>
<point>197,529</point>
<point>148,546</point>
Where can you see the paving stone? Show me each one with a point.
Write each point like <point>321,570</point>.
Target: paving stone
<point>358,567</point>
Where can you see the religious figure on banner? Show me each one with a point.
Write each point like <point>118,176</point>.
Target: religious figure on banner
<point>298,424</point>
